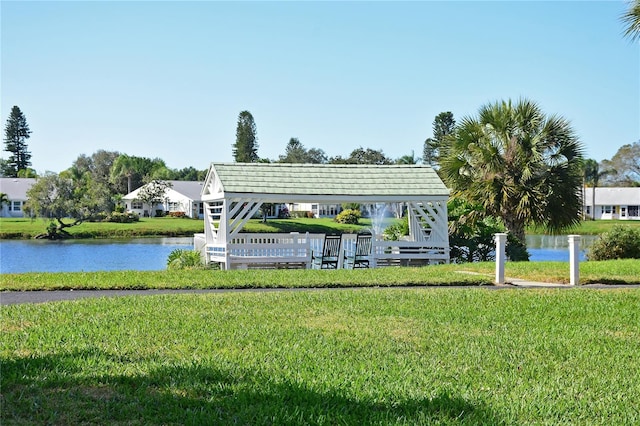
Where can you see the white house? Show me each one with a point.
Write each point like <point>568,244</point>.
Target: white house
<point>183,196</point>
<point>16,191</point>
<point>612,203</point>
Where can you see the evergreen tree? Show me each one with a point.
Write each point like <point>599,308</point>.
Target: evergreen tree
<point>245,150</point>
<point>443,125</point>
<point>16,133</point>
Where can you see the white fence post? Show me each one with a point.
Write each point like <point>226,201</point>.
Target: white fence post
<point>574,259</point>
<point>501,244</point>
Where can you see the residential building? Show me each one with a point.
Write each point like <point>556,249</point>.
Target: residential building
<point>612,203</point>
<point>16,192</point>
<point>183,196</point>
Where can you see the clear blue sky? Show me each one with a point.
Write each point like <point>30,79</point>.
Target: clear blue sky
<point>168,79</point>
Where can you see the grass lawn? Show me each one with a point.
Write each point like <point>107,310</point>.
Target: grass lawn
<point>162,226</point>
<point>352,357</point>
<point>606,272</point>
<point>167,226</point>
<point>593,227</point>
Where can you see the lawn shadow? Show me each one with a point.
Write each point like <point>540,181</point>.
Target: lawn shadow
<point>56,390</point>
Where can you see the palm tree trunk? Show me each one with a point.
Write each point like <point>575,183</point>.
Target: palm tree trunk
<point>516,228</point>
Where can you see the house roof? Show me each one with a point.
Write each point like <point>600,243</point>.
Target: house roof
<point>16,188</point>
<point>190,189</point>
<point>325,181</point>
<point>615,196</point>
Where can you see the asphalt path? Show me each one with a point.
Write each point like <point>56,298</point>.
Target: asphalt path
<point>18,297</point>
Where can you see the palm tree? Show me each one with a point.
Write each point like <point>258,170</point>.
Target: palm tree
<point>518,164</point>
<point>592,175</point>
<point>631,18</point>
<point>409,159</point>
<point>4,199</point>
<point>124,165</point>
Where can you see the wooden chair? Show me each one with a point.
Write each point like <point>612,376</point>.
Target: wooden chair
<point>360,256</point>
<point>330,255</point>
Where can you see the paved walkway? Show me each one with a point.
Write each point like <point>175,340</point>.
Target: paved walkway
<point>18,297</point>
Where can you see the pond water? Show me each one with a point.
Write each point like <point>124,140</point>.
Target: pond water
<point>150,254</point>
<point>140,254</point>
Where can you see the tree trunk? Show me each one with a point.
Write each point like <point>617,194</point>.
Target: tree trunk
<point>515,228</point>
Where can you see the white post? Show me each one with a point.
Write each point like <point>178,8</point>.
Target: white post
<point>574,259</point>
<point>501,244</point>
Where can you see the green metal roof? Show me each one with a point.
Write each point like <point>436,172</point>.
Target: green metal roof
<point>330,180</point>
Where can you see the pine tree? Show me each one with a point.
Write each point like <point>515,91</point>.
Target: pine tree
<point>16,133</point>
<point>245,150</point>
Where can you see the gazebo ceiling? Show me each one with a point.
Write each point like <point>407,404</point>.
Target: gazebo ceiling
<point>323,182</point>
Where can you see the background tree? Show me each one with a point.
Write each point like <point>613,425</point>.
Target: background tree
<point>189,173</point>
<point>443,125</point>
<point>626,163</point>
<point>409,159</point>
<point>245,149</point>
<point>153,192</point>
<point>137,171</point>
<point>59,199</point>
<point>294,153</point>
<point>631,20</point>
<point>16,133</point>
<point>297,153</point>
<point>363,156</point>
<point>519,165</point>
<point>123,166</point>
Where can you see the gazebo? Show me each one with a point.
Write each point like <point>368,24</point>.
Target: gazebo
<point>234,192</point>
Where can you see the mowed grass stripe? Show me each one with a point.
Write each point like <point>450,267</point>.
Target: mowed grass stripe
<point>383,356</point>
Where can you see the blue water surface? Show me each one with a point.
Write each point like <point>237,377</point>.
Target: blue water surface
<point>140,254</point>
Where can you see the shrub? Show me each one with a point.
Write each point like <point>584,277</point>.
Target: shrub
<point>185,259</point>
<point>128,217</point>
<point>310,215</point>
<point>349,216</point>
<point>284,213</point>
<point>397,230</point>
<point>177,214</point>
<point>622,242</point>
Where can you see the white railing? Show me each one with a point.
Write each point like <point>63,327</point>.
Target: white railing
<point>294,249</point>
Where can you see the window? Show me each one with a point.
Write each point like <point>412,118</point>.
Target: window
<point>588,210</point>
<point>201,209</point>
<point>136,204</point>
<point>607,209</point>
<point>174,206</point>
<point>15,206</point>
<point>633,211</point>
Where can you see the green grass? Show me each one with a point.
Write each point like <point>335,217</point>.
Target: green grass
<point>592,227</point>
<point>606,272</point>
<point>622,271</point>
<point>167,226</point>
<point>237,279</point>
<point>163,226</point>
<point>351,357</point>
